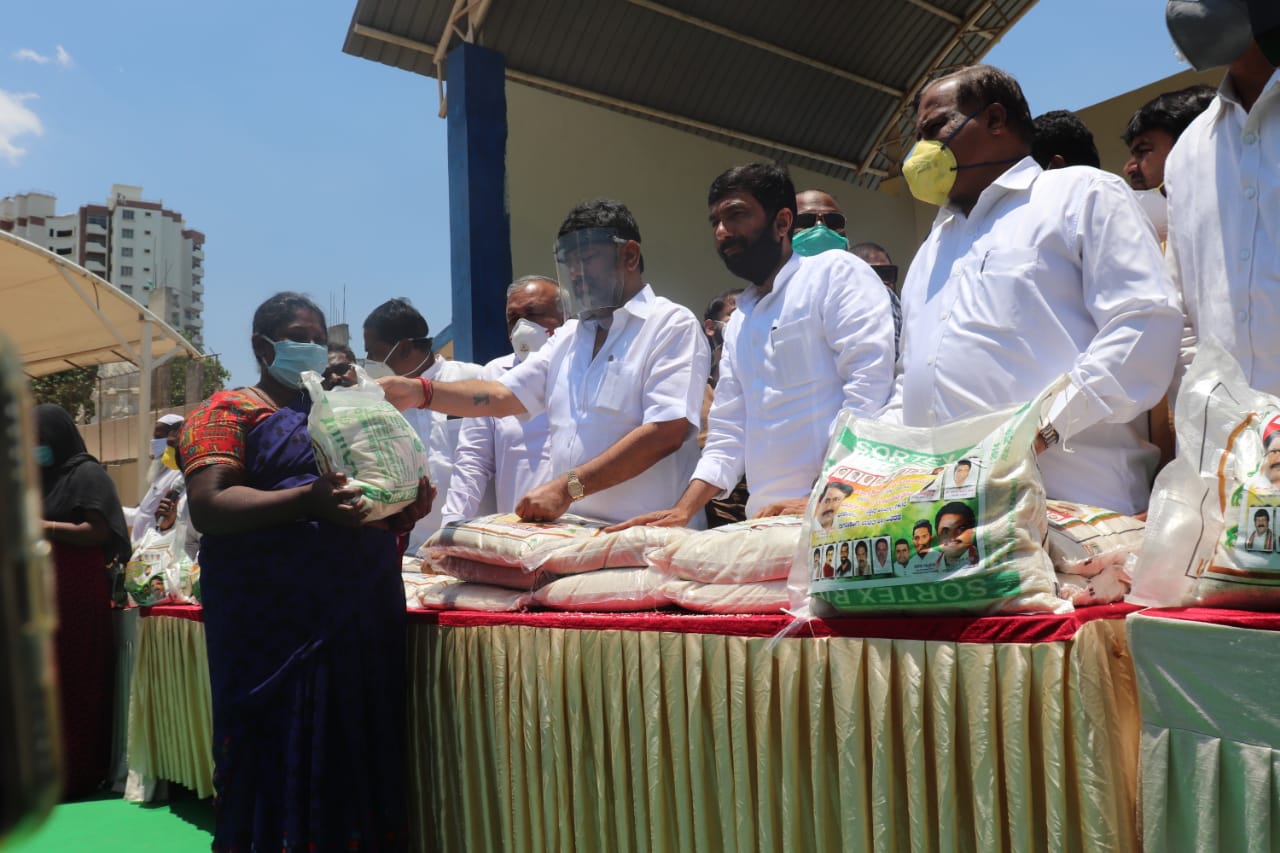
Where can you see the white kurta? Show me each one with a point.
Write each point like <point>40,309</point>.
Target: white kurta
<point>439,434</point>
<point>1223,183</point>
<point>651,369</point>
<point>514,454</point>
<point>821,340</point>
<point>1052,272</point>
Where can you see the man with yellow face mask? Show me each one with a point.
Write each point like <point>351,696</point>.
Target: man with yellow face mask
<point>164,474</point>
<point>1027,275</point>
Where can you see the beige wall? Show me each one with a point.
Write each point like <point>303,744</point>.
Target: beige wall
<point>561,151</point>
<point>1108,118</point>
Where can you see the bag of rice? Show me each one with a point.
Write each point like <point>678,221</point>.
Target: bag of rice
<point>160,572</point>
<point>608,590</point>
<point>504,540</point>
<point>763,597</point>
<point>1211,539</point>
<point>507,577</point>
<point>622,549</point>
<point>744,552</point>
<point>1084,540</point>
<point>448,593</point>
<point>356,431</point>
<point>959,510</point>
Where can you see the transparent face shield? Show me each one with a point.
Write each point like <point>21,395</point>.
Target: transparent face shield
<point>587,263</point>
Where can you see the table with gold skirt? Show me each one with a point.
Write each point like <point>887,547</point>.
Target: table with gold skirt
<point>662,731</point>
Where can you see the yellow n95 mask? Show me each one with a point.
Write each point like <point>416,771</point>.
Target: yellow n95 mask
<point>930,170</point>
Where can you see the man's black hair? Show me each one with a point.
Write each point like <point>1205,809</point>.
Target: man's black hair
<point>278,311</point>
<point>979,86</point>
<point>395,320</point>
<point>861,250</point>
<point>925,523</point>
<point>898,542</point>
<point>966,463</point>
<point>601,213</point>
<point>767,183</point>
<point>1262,513</point>
<point>716,306</point>
<point>862,543</point>
<point>956,508</point>
<point>1170,112</point>
<point>342,350</point>
<point>1062,132</point>
<point>845,488</point>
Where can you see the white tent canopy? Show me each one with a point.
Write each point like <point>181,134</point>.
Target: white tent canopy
<point>59,316</point>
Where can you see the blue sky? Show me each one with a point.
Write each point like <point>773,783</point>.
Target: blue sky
<point>312,170</point>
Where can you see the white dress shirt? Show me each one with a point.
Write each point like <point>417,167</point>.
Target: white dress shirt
<point>439,434</point>
<point>1223,183</point>
<point>651,369</point>
<point>512,453</point>
<point>821,340</point>
<point>1050,273</point>
<point>165,479</point>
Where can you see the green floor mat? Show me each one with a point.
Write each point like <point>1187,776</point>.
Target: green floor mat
<point>109,824</point>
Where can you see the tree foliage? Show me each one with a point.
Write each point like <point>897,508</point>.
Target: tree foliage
<point>71,389</point>
<point>213,378</point>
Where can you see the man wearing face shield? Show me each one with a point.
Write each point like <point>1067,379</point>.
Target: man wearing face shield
<point>811,336</point>
<point>1222,181</point>
<point>396,343</point>
<point>1027,275</point>
<point>622,388</point>
<point>512,453</point>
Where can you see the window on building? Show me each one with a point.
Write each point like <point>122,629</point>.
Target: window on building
<point>146,213</point>
<point>146,269</point>
<point>126,270</point>
<point>126,252</point>
<point>146,251</point>
<point>127,288</point>
<point>65,251</point>
<point>50,232</point>
<point>66,233</point>
<point>126,214</point>
<point>126,233</point>
<point>98,220</point>
<point>146,233</point>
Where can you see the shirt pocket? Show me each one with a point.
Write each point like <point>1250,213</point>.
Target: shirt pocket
<point>616,388</point>
<point>1000,287</point>
<point>795,347</point>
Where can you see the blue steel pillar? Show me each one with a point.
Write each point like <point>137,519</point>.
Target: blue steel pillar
<point>479,227</point>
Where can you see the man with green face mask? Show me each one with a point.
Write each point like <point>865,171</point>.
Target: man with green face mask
<point>1027,275</point>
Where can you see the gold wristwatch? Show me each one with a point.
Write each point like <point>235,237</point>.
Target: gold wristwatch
<point>574,486</point>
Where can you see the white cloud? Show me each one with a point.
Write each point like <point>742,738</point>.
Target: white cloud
<point>29,55</point>
<point>61,56</point>
<point>16,119</point>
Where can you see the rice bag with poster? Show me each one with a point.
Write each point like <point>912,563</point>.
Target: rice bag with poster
<point>1211,526</point>
<point>957,510</point>
<point>356,431</point>
<point>159,571</point>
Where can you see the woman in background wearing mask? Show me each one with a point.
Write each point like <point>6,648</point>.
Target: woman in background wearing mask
<point>84,523</point>
<point>303,614</point>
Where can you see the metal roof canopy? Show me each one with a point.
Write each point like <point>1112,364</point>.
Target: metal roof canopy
<point>60,316</point>
<point>822,85</point>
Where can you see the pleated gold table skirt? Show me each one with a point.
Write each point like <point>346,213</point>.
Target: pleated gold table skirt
<point>546,739</point>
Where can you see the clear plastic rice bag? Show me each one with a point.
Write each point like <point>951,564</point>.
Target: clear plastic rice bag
<point>1211,529</point>
<point>356,431</point>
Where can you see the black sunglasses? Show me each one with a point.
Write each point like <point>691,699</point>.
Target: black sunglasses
<point>833,220</point>
<point>333,371</point>
<point>888,272</point>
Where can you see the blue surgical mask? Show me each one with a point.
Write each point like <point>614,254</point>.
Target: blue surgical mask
<point>293,357</point>
<point>44,455</point>
<point>816,240</point>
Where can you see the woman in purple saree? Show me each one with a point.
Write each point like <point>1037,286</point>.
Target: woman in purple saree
<point>303,614</point>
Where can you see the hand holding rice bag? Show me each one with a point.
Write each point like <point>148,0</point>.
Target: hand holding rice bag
<point>356,431</point>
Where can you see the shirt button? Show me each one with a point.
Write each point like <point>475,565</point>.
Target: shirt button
<point>1244,254</point>
<point>946,314</point>
<point>1242,316</point>
<point>1250,192</point>
<point>930,361</point>
<point>1250,138</point>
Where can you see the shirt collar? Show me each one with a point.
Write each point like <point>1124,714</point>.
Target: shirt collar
<point>434,370</point>
<point>639,306</point>
<point>751,295</point>
<point>1227,90</point>
<point>1018,177</point>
